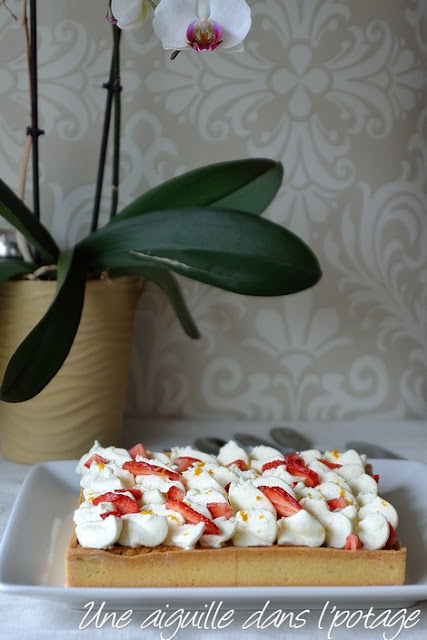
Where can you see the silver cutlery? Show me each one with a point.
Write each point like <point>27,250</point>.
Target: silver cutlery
<point>248,440</point>
<point>209,444</point>
<point>373,450</point>
<point>290,439</point>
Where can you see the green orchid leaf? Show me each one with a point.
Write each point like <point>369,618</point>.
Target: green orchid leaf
<point>169,285</point>
<point>232,250</point>
<point>256,195</point>
<point>14,267</point>
<point>42,353</point>
<point>16,212</point>
<point>248,185</point>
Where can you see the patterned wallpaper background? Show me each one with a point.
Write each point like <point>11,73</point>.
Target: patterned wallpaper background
<point>337,90</point>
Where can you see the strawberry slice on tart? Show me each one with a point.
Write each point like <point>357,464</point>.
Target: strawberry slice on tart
<point>337,503</point>
<point>175,493</point>
<point>283,502</point>
<point>221,510</point>
<point>138,450</point>
<point>192,516</point>
<point>297,468</point>
<point>95,458</point>
<point>353,542</point>
<point>123,503</point>
<point>185,462</point>
<point>142,468</point>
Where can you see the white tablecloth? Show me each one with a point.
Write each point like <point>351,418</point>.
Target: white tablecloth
<point>32,619</point>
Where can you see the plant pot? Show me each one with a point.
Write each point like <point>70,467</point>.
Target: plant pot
<point>85,400</point>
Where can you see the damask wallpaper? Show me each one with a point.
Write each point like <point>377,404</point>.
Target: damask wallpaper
<point>336,90</point>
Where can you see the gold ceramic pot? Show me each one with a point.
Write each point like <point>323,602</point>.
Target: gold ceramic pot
<point>85,400</point>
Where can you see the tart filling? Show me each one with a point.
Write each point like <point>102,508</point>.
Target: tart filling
<point>188,499</point>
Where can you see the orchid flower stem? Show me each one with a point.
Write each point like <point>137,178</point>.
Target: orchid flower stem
<point>112,87</point>
<point>117,121</point>
<point>34,130</point>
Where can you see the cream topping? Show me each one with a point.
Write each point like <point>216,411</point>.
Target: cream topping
<point>144,529</point>
<point>379,505</point>
<point>189,452</point>
<point>111,454</point>
<point>265,453</point>
<point>337,526</point>
<point>184,536</point>
<point>227,529</point>
<point>231,452</point>
<point>255,528</point>
<point>99,534</point>
<point>300,529</point>
<point>244,495</point>
<point>345,500</point>
<point>373,531</point>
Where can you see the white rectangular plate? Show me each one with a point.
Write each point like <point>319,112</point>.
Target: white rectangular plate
<point>34,542</point>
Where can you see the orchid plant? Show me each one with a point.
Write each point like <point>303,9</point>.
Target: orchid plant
<point>204,224</point>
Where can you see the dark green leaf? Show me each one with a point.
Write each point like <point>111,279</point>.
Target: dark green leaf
<point>19,216</point>
<point>42,353</point>
<point>257,194</point>
<point>168,283</point>
<point>232,250</point>
<point>13,267</point>
<point>248,185</point>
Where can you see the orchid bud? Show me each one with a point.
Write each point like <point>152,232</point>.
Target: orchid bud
<point>130,14</point>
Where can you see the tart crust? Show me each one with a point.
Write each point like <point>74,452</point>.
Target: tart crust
<point>231,566</point>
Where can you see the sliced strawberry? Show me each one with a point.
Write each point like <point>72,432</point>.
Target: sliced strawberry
<point>184,462</point>
<point>192,516</point>
<point>138,450</point>
<point>393,540</point>
<point>353,542</point>
<point>239,463</point>
<point>142,468</point>
<point>104,497</point>
<point>273,464</point>
<point>137,493</point>
<point>95,458</point>
<point>310,477</point>
<point>220,509</point>
<point>111,513</point>
<point>330,465</point>
<point>294,457</point>
<point>124,504</point>
<point>227,487</point>
<point>376,477</point>
<point>337,503</point>
<point>175,493</point>
<point>284,503</point>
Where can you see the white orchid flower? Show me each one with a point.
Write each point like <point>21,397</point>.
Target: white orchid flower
<point>203,25</point>
<point>130,14</point>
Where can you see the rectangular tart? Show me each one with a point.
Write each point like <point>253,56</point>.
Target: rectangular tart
<point>165,565</point>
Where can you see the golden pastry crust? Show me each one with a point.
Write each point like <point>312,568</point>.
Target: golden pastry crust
<point>232,566</point>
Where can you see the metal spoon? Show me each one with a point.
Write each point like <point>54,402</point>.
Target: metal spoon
<point>248,440</point>
<point>209,444</point>
<point>290,439</point>
<point>373,450</point>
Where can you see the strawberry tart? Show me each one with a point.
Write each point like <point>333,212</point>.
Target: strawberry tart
<point>257,518</point>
